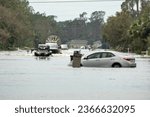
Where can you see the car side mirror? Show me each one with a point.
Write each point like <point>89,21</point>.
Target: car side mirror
<point>85,58</point>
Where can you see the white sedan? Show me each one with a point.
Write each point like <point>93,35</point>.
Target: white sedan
<point>108,59</point>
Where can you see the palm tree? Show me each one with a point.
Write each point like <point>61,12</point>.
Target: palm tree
<point>129,5</point>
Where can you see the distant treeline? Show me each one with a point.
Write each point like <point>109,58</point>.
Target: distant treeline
<point>21,26</point>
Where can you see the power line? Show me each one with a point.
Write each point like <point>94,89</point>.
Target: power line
<point>74,1</point>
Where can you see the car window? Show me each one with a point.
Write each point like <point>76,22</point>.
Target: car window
<point>110,54</point>
<point>93,56</point>
<point>107,55</point>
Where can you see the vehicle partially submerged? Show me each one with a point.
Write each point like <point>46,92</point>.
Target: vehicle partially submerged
<point>54,48</point>
<point>108,59</point>
<point>53,41</point>
<point>42,50</point>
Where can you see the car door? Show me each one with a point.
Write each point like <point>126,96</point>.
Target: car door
<point>92,60</point>
<point>107,59</point>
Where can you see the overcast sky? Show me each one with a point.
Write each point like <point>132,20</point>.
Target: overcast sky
<point>65,10</point>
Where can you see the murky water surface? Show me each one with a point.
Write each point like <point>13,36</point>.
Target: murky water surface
<point>24,77</point>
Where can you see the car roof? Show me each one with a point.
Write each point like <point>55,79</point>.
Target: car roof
<point>111,51</point>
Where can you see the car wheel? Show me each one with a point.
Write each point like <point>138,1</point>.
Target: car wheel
<point>116,65</point>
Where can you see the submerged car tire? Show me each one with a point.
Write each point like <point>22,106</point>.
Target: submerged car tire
<point>116,65</point>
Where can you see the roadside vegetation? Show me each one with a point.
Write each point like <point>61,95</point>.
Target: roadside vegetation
<point>21,26</point>
<point>130,28</point>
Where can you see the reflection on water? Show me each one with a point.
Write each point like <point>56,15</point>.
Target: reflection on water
<point>42,58</point>
<point>25,77</point>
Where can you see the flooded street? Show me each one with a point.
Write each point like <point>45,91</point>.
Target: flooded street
<point>24,77</point>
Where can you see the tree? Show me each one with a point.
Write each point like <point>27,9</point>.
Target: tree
<point>94,27</point>
<point>115,31</point>
<point>133,6</point>
<point>82,29</point>
<point>130,27</point>
<point>43,26</point>
<point>97,16</point>
<point>139,31</point>
<point>83,16</point>
<point>14,23</point>
<point>21,26</point>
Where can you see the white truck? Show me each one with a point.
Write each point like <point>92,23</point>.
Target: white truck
<point>53,43</point>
